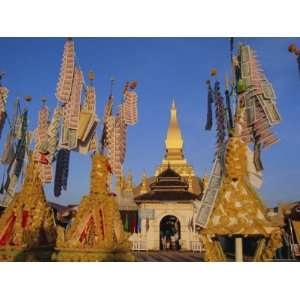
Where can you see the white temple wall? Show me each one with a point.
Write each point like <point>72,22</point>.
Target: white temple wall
<point>183,211</point>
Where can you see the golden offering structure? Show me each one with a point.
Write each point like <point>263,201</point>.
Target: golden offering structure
<point>96,233</point>
<point>27,226</point>
<point>239,212</point>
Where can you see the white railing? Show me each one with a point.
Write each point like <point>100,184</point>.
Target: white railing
<point>196,246</point>
<point>139,243</point>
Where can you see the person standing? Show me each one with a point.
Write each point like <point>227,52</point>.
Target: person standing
<point>163,241</point>
<point>173,240</point>
<point>176,235</point>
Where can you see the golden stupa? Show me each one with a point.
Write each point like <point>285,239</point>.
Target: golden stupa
<point>27,226</point>
<point>174,156</point>
<point>96,233</point>
<point>239,211</point>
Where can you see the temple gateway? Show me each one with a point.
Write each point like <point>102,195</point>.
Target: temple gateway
<point>160,212</point>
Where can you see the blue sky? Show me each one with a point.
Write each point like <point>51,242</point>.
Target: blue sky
<point>166,68</point>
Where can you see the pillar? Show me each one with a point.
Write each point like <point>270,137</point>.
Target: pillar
<point>238,249</point>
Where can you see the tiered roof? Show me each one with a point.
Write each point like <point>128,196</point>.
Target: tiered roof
<point>169,186</point>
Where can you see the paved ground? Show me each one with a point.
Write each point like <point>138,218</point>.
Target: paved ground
<point>180,256</point>
<point>167,256</point>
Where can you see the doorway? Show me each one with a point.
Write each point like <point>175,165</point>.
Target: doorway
<point>169,233</point>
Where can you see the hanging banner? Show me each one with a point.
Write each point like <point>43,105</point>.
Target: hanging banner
<point>210,195</point>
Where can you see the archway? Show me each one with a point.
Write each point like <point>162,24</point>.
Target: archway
<point>170,235</point>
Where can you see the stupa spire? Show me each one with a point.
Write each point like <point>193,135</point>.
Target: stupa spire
<point>174,141</point>
<point>174,157</point>
<point>144,187</point>
<point>129,182</point>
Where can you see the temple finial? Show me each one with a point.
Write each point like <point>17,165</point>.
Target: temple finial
<point>174,141</point>
<point>174,156</point>
<point>129,182</point>
<point>91,75</point>
<point>173,104</point>
<point>213,72</point>
<point>144,186</point>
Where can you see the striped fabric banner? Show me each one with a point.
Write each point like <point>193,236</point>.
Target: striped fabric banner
<point>75,100</point>
<point>259,101</point>
<point>3,98</point>
<point>113,153</point>
<point>88,123</point>
<point>130,107</point>
<point>90,103</point>
<point>64,86</point>
<point>3,115</point>
<point>71,113</point>
<point>41,153</point>
<point>52,133</point>
<point>122,132</point>
<point>115,127</point>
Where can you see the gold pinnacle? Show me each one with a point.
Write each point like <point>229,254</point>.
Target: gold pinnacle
<point>91,75</point>
<point>213,72</point>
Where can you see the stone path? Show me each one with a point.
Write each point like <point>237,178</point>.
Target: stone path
<point>167,256</point>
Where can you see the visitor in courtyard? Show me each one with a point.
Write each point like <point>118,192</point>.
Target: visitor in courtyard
<point>163,241</point>
<point>177,242</point>
<point>173,242</point>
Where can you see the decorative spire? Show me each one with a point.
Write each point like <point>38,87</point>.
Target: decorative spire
<point>120,182</point>
<point>129,183</point>
<point>99,174</point>
<point>91,77</point>
<point>213,72</point>
<point>205,180</point>
<point>174,157</point>
<point>173,104</point>
<point>174,141</point>
<point>32,180</point>
<point>144,188</point>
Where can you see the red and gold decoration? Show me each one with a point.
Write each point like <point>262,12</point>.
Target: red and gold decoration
<point>27,226</point>
<point>96,233</point>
